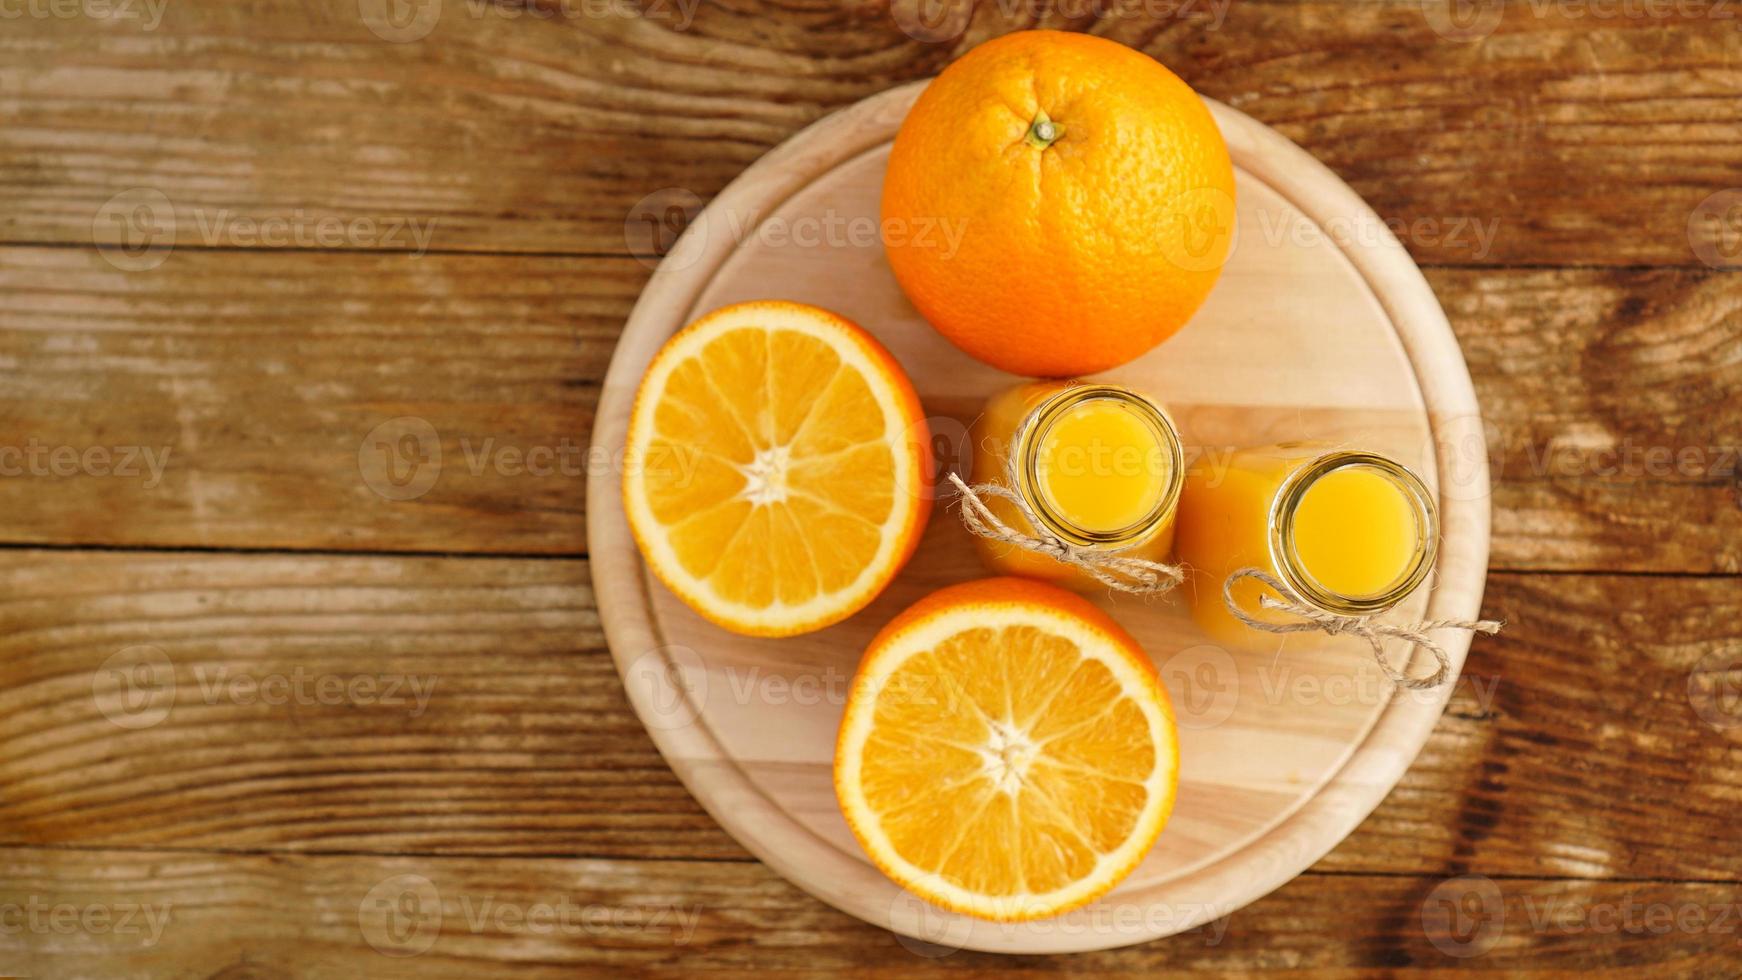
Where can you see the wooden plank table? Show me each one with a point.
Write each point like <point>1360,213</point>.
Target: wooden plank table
<point>284,694</point>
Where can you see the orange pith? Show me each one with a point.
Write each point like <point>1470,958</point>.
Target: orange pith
<point>1007,751</point>
<point>1063,256</point>
<point>777,467</point>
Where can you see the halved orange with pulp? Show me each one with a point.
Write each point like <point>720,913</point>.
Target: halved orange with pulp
<point>1007,751</point>
<point>777,469</point>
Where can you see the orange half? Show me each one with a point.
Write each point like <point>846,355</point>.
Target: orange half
<point>777,469</point>
<point>1007,751</point>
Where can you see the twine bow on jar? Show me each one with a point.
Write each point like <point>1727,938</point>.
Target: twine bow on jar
<point>1313,618</point>
<point>1111,568</point>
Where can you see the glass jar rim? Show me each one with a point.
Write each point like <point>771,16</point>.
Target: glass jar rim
<point>1286,559</point>
<point>1025,449</point>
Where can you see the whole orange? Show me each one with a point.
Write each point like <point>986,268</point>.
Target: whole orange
<point>1058,204</point>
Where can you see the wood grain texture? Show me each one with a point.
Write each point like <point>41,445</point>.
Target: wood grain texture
<point>315,703</point>
<point>269,918</point>
<point>1604,697</point>
<point>499,130</point>
<point>261,381</point>
<point>527,745</point>
<point>1566,139</point>
<point>1612,403</point>
<point>261,377</point>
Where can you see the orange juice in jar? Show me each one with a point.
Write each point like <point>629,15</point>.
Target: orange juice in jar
<point>1351,533</point>
<point>1101,466</point>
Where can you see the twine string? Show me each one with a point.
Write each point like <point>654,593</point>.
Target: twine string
<point>1111,568</point>
<point>1313,618</point>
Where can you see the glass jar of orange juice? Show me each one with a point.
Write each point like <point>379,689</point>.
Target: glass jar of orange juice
<point>1100,465</point>
<point>1349,532</point>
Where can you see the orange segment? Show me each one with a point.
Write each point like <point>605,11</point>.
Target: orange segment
<point>776,469</point>
<point>1007,751</point>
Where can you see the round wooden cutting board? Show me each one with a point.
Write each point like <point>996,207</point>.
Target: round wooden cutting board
<point>1321,327</point>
